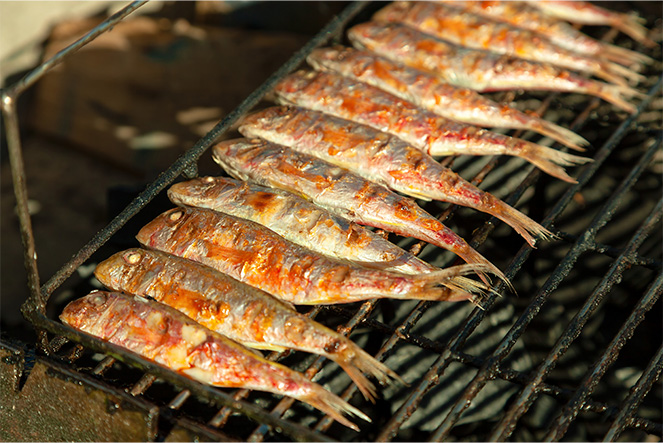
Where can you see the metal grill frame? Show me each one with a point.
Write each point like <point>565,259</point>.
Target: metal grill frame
<point>488,368</point>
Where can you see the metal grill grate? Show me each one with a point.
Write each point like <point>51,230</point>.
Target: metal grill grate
<point>209,410</point>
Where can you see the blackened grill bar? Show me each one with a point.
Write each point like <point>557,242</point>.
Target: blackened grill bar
<point>452,351</point>
<point>528,394</point>
<point>562,271</point>
<point>638,392</point>
<point>570,411</point>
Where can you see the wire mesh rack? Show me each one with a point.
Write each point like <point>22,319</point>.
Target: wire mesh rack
<point>493,373</point>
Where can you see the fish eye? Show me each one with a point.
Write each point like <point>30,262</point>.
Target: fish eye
<point>175,216</point>
<point>99,298</point>
<point>132,258</point>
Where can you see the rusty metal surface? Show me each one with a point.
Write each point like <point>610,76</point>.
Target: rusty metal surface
<point>56,404</point>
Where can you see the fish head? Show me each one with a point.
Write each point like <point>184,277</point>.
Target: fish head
<point>265,120</point>
<point>359,34</point>
<point>393,12</point>
<point>208,188</point>
<point>293,83</point>
<point>119,272</point>
<point>328,57</point>
<point>163,228</point>
<point>86,312</point>
<point>237,157</point>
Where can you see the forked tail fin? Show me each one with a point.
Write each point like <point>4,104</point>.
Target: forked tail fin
<point>551,160</point>
<point>625,72</point>
<point>522,224</point>
<point>559,134</point>
<point>631,25</point>
<point>330,404</point>
<point>471,256</point>
<point>445,285</point>
<point>617,95</point>
<point>358,363</point>
<point>625,56</point>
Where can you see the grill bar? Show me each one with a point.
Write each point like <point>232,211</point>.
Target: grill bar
<point>473,320</point>
<point>103,366</point>
<point>635,397</point>
<point>143,384</point>
<point>572,408</point>
<point>506,374</point>
<point>528,394</point>
<point>487,372</point>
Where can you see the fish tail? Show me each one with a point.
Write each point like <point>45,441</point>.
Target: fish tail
<point>522,224</point>
<point>625,56</point>
<point>559,134</point>
<point>447,239</point>
<point>332,405</point>
<point>471,256</point>
<point>625,72</point>
<point>602,71</point>
<point>631,25</point>
<point>445,284</point>
<point>358,363</point>
<point>551,160</point>
<point>617,95</point>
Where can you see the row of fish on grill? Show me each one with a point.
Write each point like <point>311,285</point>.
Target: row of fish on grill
<point>220,273</point>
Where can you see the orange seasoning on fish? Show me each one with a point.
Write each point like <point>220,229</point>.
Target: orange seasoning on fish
<point>522,15</point>
<point>470,30</point>
<point>234,309</point>
<point>164,335</point>
<point>424,130</point>
<point>261,258</point>
<point>479,70</point>
<point>431,93</point>
<point>297,220</point>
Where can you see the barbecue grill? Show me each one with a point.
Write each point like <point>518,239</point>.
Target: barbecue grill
<point>575,354</point>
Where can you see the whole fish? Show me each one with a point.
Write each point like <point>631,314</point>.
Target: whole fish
<point>161,334</point>
<point>478,70</point>
<point>351,196</point>
<point>588,14</point>
<point>297,220</point>
<point>524,16</point>
<point>429,92</point>
<point>263,259</point>
<point>473,31</point>
<point>429,132</point>
<point>239,311</point>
